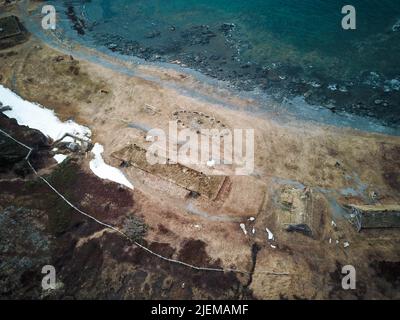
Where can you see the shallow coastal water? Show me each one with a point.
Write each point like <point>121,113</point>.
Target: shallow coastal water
<point>273,31</point>
<point>284,48</point>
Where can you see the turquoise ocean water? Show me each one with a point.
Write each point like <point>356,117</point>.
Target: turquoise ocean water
<point>284,47</point>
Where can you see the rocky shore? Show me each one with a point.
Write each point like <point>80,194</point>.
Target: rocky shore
<point>218,53</point>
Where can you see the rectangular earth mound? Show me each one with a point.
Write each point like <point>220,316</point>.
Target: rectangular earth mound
<point>12,32</point>
<point>181,175</point>
<point>375,216</point>
<point>296,207</point>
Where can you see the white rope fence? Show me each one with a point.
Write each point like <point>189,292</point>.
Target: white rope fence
<point>124,234</point>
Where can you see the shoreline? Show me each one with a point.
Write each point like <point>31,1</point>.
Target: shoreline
<point>341,108</point>
<point>288,110</point>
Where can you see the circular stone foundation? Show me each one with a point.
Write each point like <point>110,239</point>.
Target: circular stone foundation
<point>200,122</point>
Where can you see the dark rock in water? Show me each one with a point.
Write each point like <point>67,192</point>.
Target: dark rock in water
<point>332,108</point>
<point>273,76</point>
<point>153,34</point>
<point>301,228</point>
<point>78,24</point>
<point>227,27</point>
<point>198,35</point>
<point>215,57</point>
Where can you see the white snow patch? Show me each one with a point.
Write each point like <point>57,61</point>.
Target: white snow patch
<point>104,171</point>
<point>252,218</point>
<point>68,139</point>
<point>270,234</point>
<point>60,157</point>
<point>243,227</point>
<point>37,117</point>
